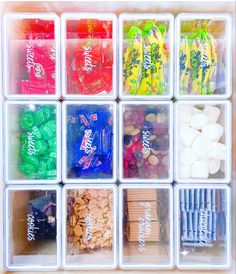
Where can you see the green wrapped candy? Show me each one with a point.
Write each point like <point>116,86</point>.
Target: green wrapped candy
<point>52,144</point>
<point>48,130</point>
<point>51,163</point>
<point>41,147</point>
<point>27,120</point>
<point>33,160</point>
<point>36,132</point>
<point>27,168</point>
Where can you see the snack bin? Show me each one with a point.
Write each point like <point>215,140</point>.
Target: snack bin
<point>203,226</point>
<point>146,56</point>
<point>89,55</point>
<point>89,227</point>
<point>31,58</point>
<point>32,142</point>
<point>203,56</point>
<point>146,226</point>
<point>203,142</point>
<point>146,142</point>
<point>32,228</point>
<point>89,150</point>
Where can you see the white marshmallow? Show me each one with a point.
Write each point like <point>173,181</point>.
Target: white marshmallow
<point>184,172</point>
<point>212,113</point>
<point>201,146</point>
<point>187,157</point>
<point>198,121</point>
<point>200,170</point>
<point>212,131</point>
<point>185,113</point>
<point>187,135</point>
<point>218,151</point>
<point>213,166</point>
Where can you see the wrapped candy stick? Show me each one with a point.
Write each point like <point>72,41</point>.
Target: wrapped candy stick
<point>213,68</point>
<point>134,62</point>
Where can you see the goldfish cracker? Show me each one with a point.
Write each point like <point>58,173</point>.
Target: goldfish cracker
<point>133,65</point>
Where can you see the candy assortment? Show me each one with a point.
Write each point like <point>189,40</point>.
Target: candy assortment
<point>89,141</point>
<point>90,164</point>
<point>203,226</point>
<point>146,226</point>
<point>32,55</point>
<point>33,152</point>
<point>147,52</point>
<point>203,55</point>
<point>147,141</point>
<point>90,226</point>
<point>204,149</point>
<point>33,227</point>
<point>89,54</point>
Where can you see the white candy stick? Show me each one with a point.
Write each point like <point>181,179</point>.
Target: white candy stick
<point>212,113</point>
<point>212,131</point>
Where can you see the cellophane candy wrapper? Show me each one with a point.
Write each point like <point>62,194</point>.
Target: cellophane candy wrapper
<point>89,145</point>
<point>146,222</point>
<point>203,226</point>
<point>32,150</point>
<point>32,227</point>
<point>147,56</point>
<point>90,226</point>
<point>146,142</point>
<point>203,55</point>
<point>31,56</point>
<point>89,59</point>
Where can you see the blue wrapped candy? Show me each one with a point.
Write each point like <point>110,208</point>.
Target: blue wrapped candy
<point>89,141</point>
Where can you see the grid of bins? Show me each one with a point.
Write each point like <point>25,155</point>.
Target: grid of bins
<point>64,154</point>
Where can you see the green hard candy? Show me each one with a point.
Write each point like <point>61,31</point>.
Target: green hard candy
<point>42,171</point>
<point>41,147</point>
<point>23,138</point>
<point>51,173</point>
<point>42,115</point>
<point>37,133</point>
<point>48,130</point>
<point>27,120</point>
<point>33,160</point>
<point>27,168</point>
<point>52,144</point>
<point>51,163</point>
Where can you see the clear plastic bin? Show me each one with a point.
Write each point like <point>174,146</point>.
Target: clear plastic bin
<point>89,148</point>
<point>89,55</point>
<point>146,56</point>
<point>203,56</point>
<point>145,226</point>
<point>203,226</point>
<point>89,227</point>
<point>32,228</point>
<point>31,60</point>
<point>32,132</point>
<point>146,142</point>
<point>203,141</point>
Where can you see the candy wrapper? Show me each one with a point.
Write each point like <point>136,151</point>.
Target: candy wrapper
<point>89,55</point>
<point>147,56</point>
<point>146,147</point>
<point>31,55</point>
<point>89,143</point>
<point>89,224</point>
<point>203,142</point>
<point>203,55</point>
<point>203,227</point>
<point>146,226</point>
<point>33,150</point>
<point>32,228</point>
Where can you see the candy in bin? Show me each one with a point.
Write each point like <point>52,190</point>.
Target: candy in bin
<point>33,54</point>
<point>89,54</point>
<point>89,141</point>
